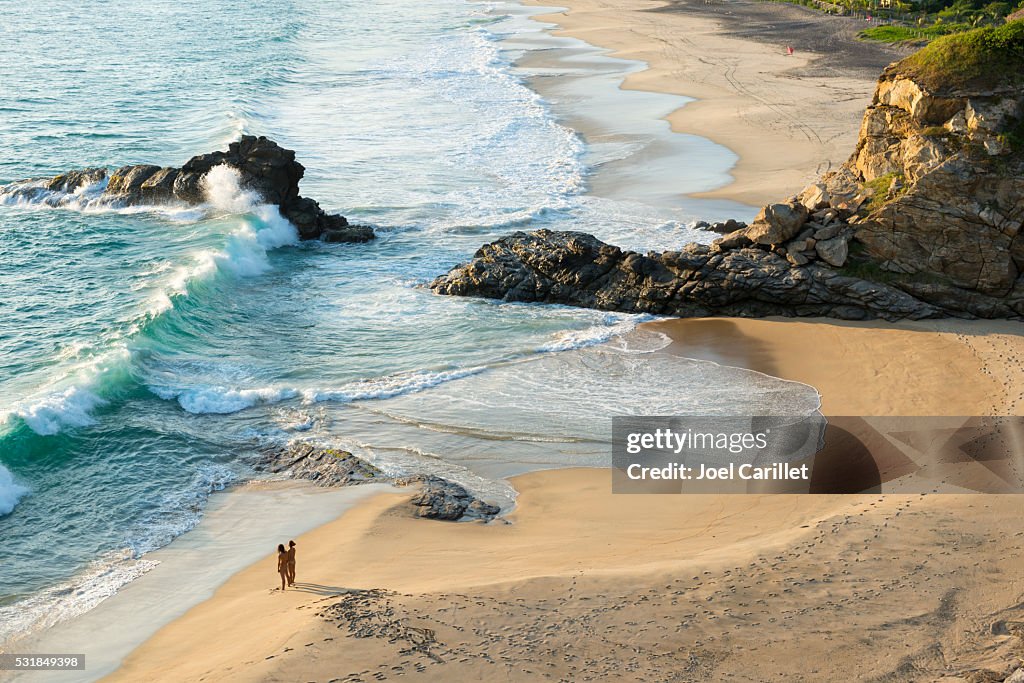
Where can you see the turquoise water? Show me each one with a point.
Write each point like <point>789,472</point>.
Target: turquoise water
<point>146,353</point>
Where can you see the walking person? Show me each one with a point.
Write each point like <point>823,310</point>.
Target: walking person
<point>291,563</point>
<point>282,564</point>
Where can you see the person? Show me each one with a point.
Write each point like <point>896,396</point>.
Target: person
<point>291,563</point>
<point>282,563</point>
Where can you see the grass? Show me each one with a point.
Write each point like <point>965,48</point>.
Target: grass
<point>902,34</point>
<point>983,58</point>
<point>879,191</point>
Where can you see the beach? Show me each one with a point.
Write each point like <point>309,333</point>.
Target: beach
<point>587,585</point>
<point>789,118</point>
<point>575,583</point>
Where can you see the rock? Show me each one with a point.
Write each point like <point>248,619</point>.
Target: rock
<point>437,499</point>
<point>264,167</point>
<point>72,180</point>
<point>579,270</point>
<point>159,187</point>
<point>324,466</point>
<point>828,232</point>
<point>833,251</point>
<point>796,258</point>
<point>446,500</point>
<point>726,227</point>
<point>128,180</point>
<point>777,223</point>
<point>734,240</point>
<point>1016,677</point>
<point>815,197</point>
<point>938,154</point>
<point>701,225</point>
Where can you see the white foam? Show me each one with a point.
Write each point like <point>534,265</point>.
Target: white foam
<point>105,576</point>
<point>390,386</point>
<point>49,414</point>
<point>10,491</point>
<point>615,325</point>
<point>221,400</point>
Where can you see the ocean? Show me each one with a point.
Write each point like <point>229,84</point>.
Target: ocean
<point>147,352</point>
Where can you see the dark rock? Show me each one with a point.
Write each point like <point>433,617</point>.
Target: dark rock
<point>324,466</point>
<point>128,180</point>
<point>264,167</point>
<point>726,227</point>
<point>446,500</point>
<point>159,187</point>
<point>72,180</point>
<point>438,498</point>
<point>580,270</point>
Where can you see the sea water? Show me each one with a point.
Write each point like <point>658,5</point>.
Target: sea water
<point>146,352</point>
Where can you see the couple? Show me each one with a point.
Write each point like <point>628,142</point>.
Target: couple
<point>286,563</point>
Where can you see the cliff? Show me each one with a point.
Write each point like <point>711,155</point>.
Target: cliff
<point>924,220</point>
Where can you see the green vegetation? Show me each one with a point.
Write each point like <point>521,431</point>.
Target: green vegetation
<point>985,57</point>
<point>895,33</point>
<point>878,190</point>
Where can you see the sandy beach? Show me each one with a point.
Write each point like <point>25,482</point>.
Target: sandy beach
<point>578,584</point>
<point>788,117</point>
<point>586,585</point>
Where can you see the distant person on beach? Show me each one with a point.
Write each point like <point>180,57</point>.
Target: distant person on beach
<point>282,563</point>
<point>291,563</point>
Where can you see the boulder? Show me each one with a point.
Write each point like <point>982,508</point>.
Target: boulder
<point>777,223</point>
<point>833,251</point>
<point>726,227</point>
<point>445,500</point>
<point>128,180</point>
<point>815,197</point>
<point>72,180</point>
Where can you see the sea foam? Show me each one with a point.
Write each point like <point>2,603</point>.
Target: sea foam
<point>10,491</point>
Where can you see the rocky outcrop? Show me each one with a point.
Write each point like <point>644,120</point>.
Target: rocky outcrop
<point>264,167</point>
<point>325,466</point>
<point>438,498</point>
<point>924,220</point>
<point>446,500</point>
<point>749,281</point>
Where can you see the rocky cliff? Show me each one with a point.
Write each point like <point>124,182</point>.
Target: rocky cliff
<point>924,219</point>
<point>264,167</point>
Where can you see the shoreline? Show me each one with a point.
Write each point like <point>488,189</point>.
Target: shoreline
<point>615,579</point>
<point>232,534</point>
<point>748,95</point>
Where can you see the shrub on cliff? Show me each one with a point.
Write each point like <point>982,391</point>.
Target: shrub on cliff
<point>986,57</point>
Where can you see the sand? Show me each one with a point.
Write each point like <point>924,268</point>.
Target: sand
<point>949,367</point>
<point>586,585</point>
<point>788,117</point>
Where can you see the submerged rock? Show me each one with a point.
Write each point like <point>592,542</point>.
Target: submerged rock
<point>264,168</point>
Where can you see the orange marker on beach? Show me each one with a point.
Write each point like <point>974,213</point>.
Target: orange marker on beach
<point>789,49</point>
